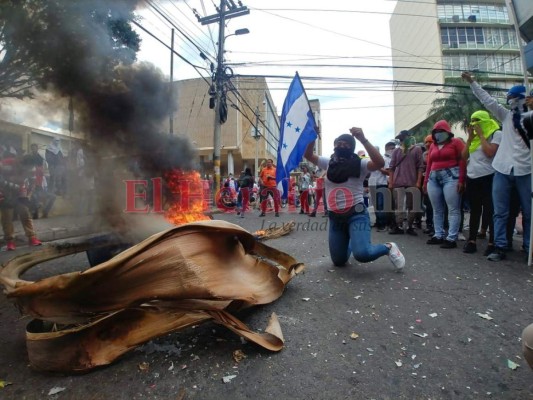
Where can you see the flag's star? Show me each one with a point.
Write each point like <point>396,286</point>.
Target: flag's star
<point>297,129</point>
<point>284,145</point>
<point>289,124</point>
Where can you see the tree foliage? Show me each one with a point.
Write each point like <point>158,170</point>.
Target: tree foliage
<point>456,107</point>
<point>44,42</point>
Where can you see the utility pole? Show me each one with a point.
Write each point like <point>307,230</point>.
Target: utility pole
<point>257,136</point>
<point>512,11</point>
<point>171,117</point>
<point>219,77</point>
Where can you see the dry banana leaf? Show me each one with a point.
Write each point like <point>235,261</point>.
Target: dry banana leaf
<point>275,232</point>
<point>174,279</point>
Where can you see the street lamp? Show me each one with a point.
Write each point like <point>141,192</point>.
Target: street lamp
<point>238,32</point>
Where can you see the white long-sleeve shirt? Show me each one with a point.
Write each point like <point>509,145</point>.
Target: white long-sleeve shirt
<point>512,154</point>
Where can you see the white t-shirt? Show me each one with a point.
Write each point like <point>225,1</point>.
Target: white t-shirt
<point>341,196</point>
<point>378,178</point>
<point>479,164</point>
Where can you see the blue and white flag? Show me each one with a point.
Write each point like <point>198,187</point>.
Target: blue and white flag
<point>298,129</point>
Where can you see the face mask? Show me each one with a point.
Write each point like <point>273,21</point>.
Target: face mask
<point>342,152</point>
<point>388,152</point>
<point>441,137</point>
<point>408,142</point>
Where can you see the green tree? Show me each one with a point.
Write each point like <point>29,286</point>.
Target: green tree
<point>457,106</point>
<point>58,41</point>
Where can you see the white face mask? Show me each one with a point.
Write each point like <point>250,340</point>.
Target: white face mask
<point>515,102</point>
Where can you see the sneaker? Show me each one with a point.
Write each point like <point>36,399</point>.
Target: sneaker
<point>412,232</point>
<point>396,231</point>
<point>448,244</point>
<point>262,214</point>
<point>10,246</point>
<point>302,212</point>
<point>469,248</point>
<point>313,214</point>
<point>461,237</point>
<point>396,257</point>
<point>435,240</point>
<point>490,249</point>
<point>35,242</point>
<point>276,214</point>
<point>497,255</point>
<point>481,235</point>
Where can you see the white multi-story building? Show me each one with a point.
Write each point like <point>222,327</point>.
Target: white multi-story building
<point>435,40</point>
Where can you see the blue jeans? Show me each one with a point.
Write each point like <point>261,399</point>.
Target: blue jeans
<point>382,212</point>
<point>501,193</point>
<point>353,235</point>
<point>442,191</point>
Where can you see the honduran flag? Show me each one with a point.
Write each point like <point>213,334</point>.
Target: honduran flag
<point>297,130</point>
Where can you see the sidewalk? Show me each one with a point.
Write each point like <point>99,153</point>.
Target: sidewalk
<point>55,228</point>
<point>62,223</point>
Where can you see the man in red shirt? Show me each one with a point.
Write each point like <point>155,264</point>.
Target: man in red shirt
<point>267,180</point>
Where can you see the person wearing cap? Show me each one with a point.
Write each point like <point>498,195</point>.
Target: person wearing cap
<point>349,222</point>
<point>444,182</point>
<point>512,164</point>
<point>484,137</point>
<point>405,181</point>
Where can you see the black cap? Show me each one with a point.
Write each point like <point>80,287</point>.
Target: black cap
<point>403,134</point>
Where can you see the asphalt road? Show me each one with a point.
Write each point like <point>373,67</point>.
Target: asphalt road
<point>358,332</point>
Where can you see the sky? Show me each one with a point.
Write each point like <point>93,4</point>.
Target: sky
<point>344,43</point>
<point>340,48</point>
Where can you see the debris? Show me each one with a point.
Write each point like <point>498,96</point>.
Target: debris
<point>181,394</point>
<point>485,316</point>
<point>306,298</point>
<point>354,335</point>
<point>71,299</point>
<point>171,366</point>
<point>433,315</point>
<point>228,378</point>
<point>3,384</point>
<point>422,335</point>
<point>369,349</point>
<point>55,390</point>
<point>416,366</point>
<point>238,355</point>
<point>398,363</point>
<point>144,366</point>
<point>512,364</point>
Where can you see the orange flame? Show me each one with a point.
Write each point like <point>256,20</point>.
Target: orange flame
<point>186,197</point>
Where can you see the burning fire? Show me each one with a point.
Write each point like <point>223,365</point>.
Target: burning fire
<point>186,197</point>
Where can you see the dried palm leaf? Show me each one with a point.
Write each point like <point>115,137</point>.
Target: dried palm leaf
<point>172,280</point>
<point>275,232</point>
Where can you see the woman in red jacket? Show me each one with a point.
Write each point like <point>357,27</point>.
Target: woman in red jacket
<point>444,182</point>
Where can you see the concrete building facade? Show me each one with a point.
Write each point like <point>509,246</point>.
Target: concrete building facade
<point>250,105</point>
<point>437,40</point>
